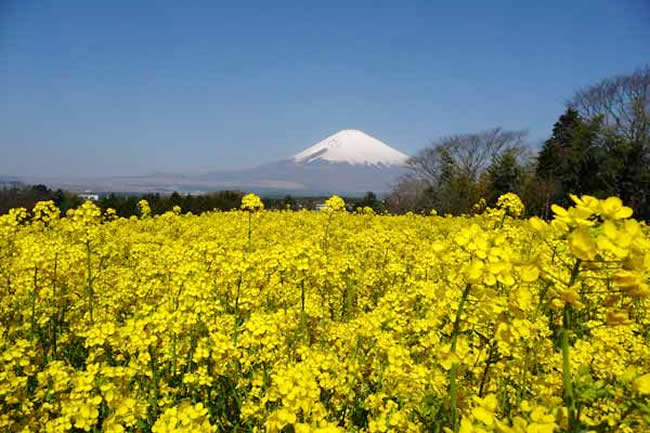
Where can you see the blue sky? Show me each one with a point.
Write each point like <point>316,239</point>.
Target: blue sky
<point>133,87</point>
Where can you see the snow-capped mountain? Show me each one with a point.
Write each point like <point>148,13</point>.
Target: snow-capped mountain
<point>349,162</point>
<point>353,147</point>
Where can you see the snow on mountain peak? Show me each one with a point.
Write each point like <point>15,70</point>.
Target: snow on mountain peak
<point>353,147</point>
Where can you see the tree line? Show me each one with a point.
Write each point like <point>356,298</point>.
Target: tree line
<point>600,146</point>
<point>18,195</point>
<point>126,205</point>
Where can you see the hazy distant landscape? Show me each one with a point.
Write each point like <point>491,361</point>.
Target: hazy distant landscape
<point>348,163</point>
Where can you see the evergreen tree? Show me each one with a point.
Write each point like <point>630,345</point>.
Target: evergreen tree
<point>505,174</point>
<point>575,158</point>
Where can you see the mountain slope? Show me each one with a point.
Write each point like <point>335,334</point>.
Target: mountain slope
<point>353,147</point>
<point>349,162</point>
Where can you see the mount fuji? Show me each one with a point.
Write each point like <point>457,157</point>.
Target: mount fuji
<point>349,162</point>
<point>353,147</point>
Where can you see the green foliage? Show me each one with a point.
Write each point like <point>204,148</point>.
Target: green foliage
<point>505,174</point>
<point>587,157</point>
<point>127,205</point>
<point>26,196</point>
<point>575,158</point>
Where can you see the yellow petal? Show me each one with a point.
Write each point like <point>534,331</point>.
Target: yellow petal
<point>642,384</point>
<point>582,245</point>
<point>529,273</point>
<point>483,415</point>
<point>624,212</point>
<point>538,224</point>
<point>559,210</point>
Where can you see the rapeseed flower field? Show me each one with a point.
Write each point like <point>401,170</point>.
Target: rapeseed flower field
<point>278,321</point>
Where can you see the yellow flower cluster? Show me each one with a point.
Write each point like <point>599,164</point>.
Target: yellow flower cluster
<point>252,203</point>
<point>277,321</point>
<point>512,204</point>
<point>335,203</point>
<point>145,210</point>
<point>183,418</point>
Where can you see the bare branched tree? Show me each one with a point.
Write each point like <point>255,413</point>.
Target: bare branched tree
<point>468,155</point>
<point>409,193</point>
<point>447,174</point>
<point>623,102</point>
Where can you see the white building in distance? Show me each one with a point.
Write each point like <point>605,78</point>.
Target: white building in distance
<point>87,195</point>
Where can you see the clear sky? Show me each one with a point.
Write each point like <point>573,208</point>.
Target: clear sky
<point>132,87</point>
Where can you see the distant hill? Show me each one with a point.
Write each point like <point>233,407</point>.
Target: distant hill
<point>349,162</point>
<point>10,181</point>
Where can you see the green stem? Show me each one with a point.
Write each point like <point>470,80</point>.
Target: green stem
<point>34,296</point>
<point>250,225</point>
<point>239,281</point>
<point>569,397</point>
<point>238,320</point>
<point>154,374</point>
<point>521,392</point>
<point>486,370</point>
<point>503,219</point>
<point>453,392</point>
<point>53,324</point>
<point>174,336</point>
<point>303,314</point>
<point>327,231</point>
<point>89,281</point>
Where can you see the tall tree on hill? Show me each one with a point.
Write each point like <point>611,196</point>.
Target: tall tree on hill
<point>623,104</point>
<point>505,174</point>
<point>575,159</point>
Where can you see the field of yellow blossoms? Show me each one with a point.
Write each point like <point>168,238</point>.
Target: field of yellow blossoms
<point>332,321</point>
